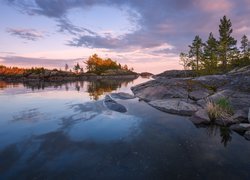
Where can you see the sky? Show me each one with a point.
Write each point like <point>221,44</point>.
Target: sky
<point>147,35</point>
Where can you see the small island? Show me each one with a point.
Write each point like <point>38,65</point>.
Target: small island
<point>96,68</point>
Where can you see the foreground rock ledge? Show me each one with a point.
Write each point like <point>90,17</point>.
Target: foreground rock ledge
<point>171,92</point>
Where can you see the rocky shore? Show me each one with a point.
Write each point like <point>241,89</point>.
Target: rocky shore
<point>62,76</point>
<point>178,92</point>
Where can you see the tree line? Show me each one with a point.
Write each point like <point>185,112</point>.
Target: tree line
<point>217,55</point>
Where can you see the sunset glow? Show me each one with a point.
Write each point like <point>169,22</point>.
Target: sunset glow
<point>145,35</point>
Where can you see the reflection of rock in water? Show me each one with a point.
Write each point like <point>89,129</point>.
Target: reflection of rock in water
<point>102,86</point>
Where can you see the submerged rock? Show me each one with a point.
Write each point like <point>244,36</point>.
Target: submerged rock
<point>113,105</point>
<point>122,95</point>
<point>175,106</point>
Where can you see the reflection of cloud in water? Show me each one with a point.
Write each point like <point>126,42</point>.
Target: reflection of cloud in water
<point>93,121</point>
<point>30,115</point>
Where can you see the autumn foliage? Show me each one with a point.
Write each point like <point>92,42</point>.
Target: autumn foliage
<point>96,64</point>
<point>11,70</point>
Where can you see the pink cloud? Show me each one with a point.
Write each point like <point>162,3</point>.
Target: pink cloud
<point>215,5</point>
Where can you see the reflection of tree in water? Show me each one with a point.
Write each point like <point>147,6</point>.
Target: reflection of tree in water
<point>225,133</point>
<point>95,88</point>
<point>100,87</point>
<point>4,85</point>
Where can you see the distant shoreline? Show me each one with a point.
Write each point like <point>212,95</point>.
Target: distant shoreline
<point>74,77</point>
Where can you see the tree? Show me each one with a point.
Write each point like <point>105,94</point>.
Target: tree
<point>77,67</point>
<point>66,67</point>
<point>210,59</point>
<point>245,46</point>
<point>227,44</point>
<point>184,61</point>
<point>196,52</point>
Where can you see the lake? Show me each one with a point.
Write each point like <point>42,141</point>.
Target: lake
<point>64,131</point>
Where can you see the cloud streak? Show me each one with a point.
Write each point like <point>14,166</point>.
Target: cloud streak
<point>37,62</point>
<point>27,34</point>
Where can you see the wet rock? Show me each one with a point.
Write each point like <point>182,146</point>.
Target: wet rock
<point>242,127</point>
<point>200,117</point>
<point>175,106</point>
<point>113,105</point>
<point>247,135</point>
<point>122,95</point>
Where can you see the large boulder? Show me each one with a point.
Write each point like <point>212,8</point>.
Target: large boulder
<point>175,106</point>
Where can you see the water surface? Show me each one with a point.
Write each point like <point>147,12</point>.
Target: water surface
<point>63,131</point>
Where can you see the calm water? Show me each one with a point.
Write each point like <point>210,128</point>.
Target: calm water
<point>63,131</point>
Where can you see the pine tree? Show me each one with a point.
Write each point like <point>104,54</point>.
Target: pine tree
<point>244,46</point>
<point>210,61</point>
<point>227,44</point>
<point>196,53</point>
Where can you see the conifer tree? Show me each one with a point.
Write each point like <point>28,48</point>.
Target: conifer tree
<point>244,46</point>
<point>227,44</point>
<point>210,60</point>
<point>196,53</point>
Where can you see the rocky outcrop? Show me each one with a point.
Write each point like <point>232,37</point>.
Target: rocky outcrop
<point>174,92</point>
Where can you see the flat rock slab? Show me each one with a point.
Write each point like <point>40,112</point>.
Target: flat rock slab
<point>175,106</point>
<point>122,95</point>
<point>113,105</point>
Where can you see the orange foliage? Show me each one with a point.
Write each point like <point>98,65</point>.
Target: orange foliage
<point>11,70</point>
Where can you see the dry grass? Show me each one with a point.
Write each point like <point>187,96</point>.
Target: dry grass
<point>218,111</point>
